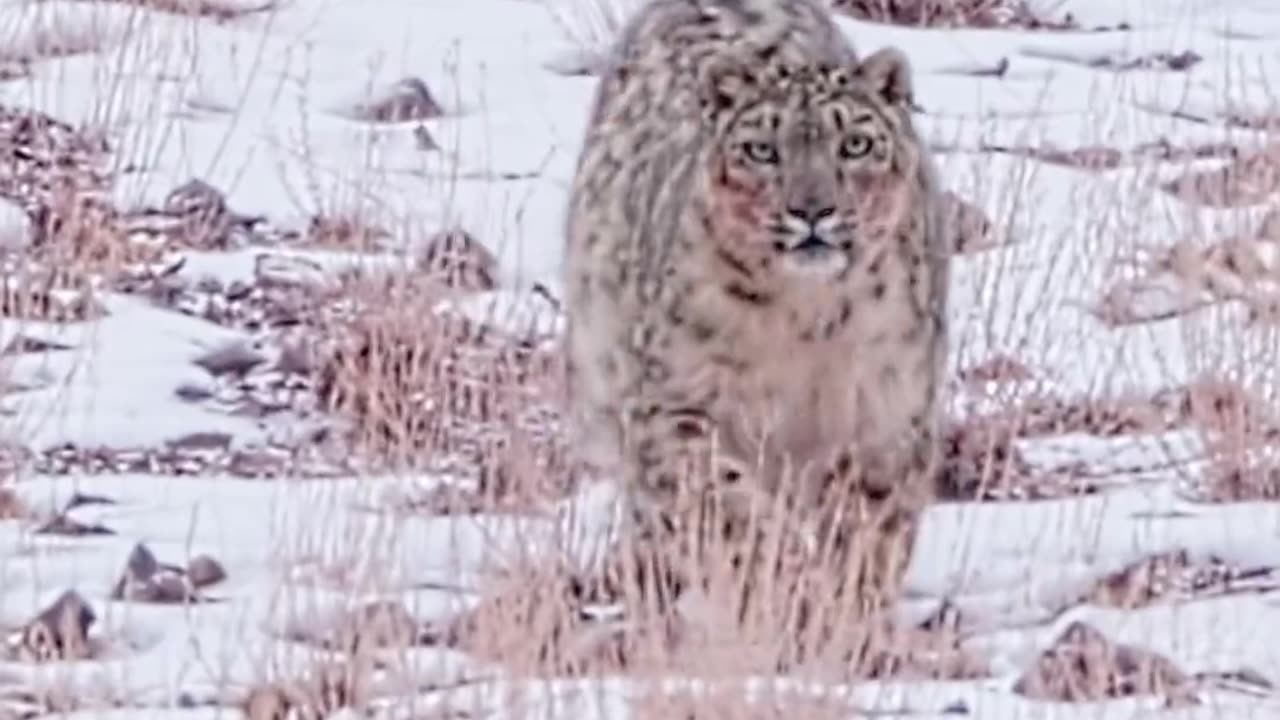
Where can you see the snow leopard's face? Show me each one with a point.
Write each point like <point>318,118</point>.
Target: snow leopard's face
<point>806,179</point>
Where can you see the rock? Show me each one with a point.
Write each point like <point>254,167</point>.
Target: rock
<point>971,230</point>
<point>64,524</point>
<point>204,219</point>
<point>237,357</point>
<point>196,198</point>
<point>372,625</point>
<point>408,99</point>
<point>204,571</point>
<point>459,261</point>
<point>142,564</point>
<point>288,271</point>
<point>267,702</point>
<point>1082,665</point>
<point>259,462</point>
<point>191,392</point>
<point>59,632</point>
<point>147,580</point>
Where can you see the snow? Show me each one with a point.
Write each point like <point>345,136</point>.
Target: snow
<point>261,108</point>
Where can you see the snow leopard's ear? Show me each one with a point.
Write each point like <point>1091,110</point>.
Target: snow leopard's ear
<point>888,72</point>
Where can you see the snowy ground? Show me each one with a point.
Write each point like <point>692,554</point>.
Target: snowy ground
<point>1082,291</point>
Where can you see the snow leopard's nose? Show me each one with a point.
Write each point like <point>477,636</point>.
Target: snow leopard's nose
<point>811,213</point>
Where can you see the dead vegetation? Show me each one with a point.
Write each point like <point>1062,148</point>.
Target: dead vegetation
<point>426,387</point>
<point>954,13</point>
<point>1083,665</point>
<point>216,10</point>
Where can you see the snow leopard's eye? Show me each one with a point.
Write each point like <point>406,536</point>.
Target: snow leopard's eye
<point>855,146</point>
<point>761,152</point>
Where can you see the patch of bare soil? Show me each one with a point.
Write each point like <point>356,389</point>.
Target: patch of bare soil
<point>996,369</point>
<point>195,216</point>
<point>1249,179</point>
<point>1178,576</point>
<point>146,579</point>
<point>408,99</point>
<point>1234,477</point>
<point>982,460</point>
<point>458,261</point>
<point>1241,435</point>
<point>1119,61</point>
<point>1190,405</point>
<point>1099,157</point>
<point>538,620</point>
<point>58,174</point>
<point>1188,276</point>
<point>955,13</point>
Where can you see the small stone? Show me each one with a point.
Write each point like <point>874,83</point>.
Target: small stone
<point>22,344</point>
<point>204,571</point>
<point>268,702</point>
<point>195,197</point>
<point>201,441</point>
<point>459,261</point>
<point>60,631</point>
<point>191,392</point>
<point>408,99</point>
<point>287,271</point>
<point>258,462</point>
<point>63,524</point>
<point>1082,665</point>
<point>142,563</point>
<point>234,358</point>
<point>346,231</point>
<point>169,588</point>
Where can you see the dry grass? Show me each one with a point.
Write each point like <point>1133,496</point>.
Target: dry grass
<point>427,388</point>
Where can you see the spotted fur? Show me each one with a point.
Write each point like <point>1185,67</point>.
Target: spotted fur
<point>756,291</point>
